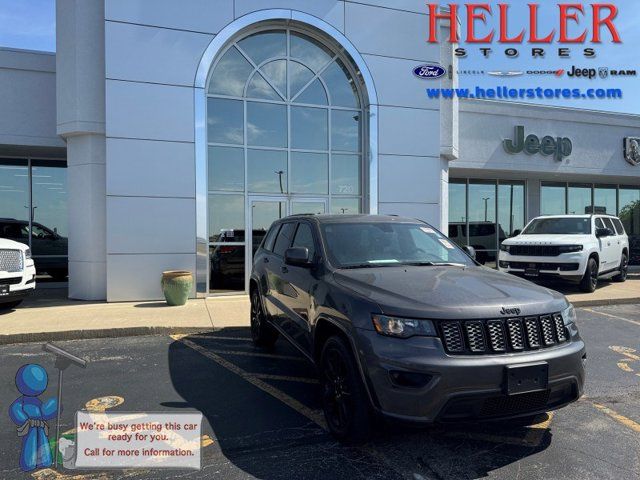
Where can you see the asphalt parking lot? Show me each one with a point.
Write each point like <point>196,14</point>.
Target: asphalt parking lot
<point>262,412</point>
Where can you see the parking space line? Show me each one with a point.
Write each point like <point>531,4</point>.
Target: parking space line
<point>313,415</point>
<point>533,438</point>
<point>218,337</point>
<point>536,432</point>
<point>627,422</point>
<point>265,376</point>
<point>626,351</point>
<point>179,337</point>
<point>625,366</point>
<point>635,322</point>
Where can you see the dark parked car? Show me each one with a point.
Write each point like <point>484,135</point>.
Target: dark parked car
<point>227,258</point>
<point>50,250</point>
<point>401,322</point>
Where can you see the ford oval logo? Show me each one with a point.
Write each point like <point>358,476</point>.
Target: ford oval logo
<point>429,71</point>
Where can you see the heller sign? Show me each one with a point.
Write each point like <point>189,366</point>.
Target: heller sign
<point>559,147</point>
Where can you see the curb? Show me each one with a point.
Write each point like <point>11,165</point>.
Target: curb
<point>97,333</point>
<point>604,302</point>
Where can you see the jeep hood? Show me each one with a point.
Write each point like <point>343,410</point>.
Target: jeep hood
<point>448,292</point>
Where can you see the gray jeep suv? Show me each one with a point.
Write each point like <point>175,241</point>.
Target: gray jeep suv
<point>401,322</point>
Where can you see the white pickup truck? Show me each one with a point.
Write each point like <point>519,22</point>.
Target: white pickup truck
<point>17,273</point>
<point>579,248</point>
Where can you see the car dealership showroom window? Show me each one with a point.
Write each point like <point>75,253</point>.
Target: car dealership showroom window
<point>33,211</point>
<point>284,137</point>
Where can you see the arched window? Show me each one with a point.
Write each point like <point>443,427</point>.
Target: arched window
<point>284,133</point>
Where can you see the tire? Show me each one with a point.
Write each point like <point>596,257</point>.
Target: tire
<point>262,334</point>
<point>589,281</point>
<point>344,398</point>
<point>10,305</point>
<point>624,268</point>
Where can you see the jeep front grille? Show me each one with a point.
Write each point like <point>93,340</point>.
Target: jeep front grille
<point>10,260</point>
<point>502,335</point>
<point>535,250</point>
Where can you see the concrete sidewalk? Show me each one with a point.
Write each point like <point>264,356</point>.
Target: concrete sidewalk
<point>48,315</point>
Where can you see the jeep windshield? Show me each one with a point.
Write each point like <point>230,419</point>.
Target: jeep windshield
<point>378,244</point>
<point>559,226</point>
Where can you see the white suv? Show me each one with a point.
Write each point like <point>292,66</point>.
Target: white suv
<point>581,248</point>
<point>17,273</point>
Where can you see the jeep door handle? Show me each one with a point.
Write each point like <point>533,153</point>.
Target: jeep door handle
<point>284,269</point>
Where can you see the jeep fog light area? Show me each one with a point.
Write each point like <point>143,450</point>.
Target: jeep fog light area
<point>17,273</point>
<point>575,248</point>
<point>401,322</point>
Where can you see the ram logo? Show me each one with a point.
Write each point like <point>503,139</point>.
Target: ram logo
<point>510,311</point>
<point>429,71</point>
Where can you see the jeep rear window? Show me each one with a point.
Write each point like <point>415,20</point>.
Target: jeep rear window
<point>559,226</point>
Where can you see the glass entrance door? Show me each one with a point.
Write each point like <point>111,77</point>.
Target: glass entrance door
<point>263,211</point>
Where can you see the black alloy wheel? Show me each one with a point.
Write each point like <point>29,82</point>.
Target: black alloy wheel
<point>624,269</point>
<point>344,399</point>
<point>589,281</point>
<point>262,334</point>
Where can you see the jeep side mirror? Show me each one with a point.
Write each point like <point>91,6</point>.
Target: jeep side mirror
<point>297,256</point>
<point>470,251</point>
<point>603,232</point>
<point>516,233</point>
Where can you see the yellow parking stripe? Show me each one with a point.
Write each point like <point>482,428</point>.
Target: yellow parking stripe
<point>626,351</point>
<point>627,422</point>
<point>611,316</point>
<point>625,366</point>
<point>537,431</point>
<point>264,376</point>
<point>533,438</point>
<point>313,415</point>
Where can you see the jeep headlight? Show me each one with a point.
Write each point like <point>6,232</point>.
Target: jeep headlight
<point>570,248</point>
<point>569,315</point>
<point>403,327</point>
<point>504,248</point>
<point>27,253</point>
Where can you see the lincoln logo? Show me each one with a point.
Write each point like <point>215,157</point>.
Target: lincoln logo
<point>510,311</point>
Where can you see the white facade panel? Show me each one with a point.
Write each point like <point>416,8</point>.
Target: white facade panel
<point>410,179</point>
<point>417,6</point>
<point>397,86</point>
<point>331,11</point>
<point>428,212</point>
<point>147,111</point>
<point>150,225</point>
<point>150,168</point>
<point>137,277</point>
<point>151,54</point>
<point>28,100</point>
<point>409,131</point>
<point>597,139</point>
<point>195,15</point>
<point>368,28</point>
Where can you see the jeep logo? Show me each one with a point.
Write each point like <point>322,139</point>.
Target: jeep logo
<point>510,311</point>
<point>559,147</point>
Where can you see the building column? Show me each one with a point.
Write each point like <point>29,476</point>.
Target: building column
<point>80,94</point>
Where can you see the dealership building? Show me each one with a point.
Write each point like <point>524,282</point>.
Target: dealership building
<point>171,137</point>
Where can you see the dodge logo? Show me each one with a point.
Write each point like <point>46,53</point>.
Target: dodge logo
<point>510,311</point>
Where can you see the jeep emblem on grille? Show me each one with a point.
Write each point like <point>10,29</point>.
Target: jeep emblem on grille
<point>510,311</point>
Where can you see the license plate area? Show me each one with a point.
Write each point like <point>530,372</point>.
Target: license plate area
<point>526,378</point>
<point>531,272</point>
<point>4,290</point>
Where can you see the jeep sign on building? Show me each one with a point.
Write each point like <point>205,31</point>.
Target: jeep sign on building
<point>170,137</point>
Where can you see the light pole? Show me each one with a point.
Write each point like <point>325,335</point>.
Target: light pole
<point>280,173</point>
<point>486,206</point>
